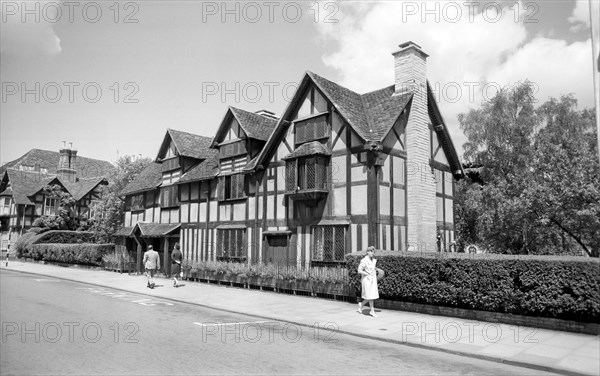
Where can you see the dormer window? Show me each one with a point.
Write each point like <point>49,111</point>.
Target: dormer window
<point>315,127</point>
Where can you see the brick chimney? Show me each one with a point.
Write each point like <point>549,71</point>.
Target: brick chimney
<point>411,77</point>
<point>66,163</point>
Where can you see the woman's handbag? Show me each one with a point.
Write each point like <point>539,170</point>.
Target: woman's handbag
<point>380,274</point>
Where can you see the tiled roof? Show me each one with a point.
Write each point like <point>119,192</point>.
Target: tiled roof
<point>86,167</point>
<point>155,230</point>
<point>191,145</point>
<point>372,114</point>
<point>82,187</point>
<point>7,192</point>
<point>124,231</point>
<point>310,148</point>
<point>26,183</point>
<point>149,178</point>
<point>205,170</point>
<point>382,109</point>
<point>251,165</point>
<point>348,103</point>
<point>256,126</point>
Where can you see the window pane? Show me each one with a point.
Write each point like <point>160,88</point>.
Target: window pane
<point>340,243</point>
<point>185,192</point>
<point>328,243</point>
<point>310,173</point>
<point>318,243</point>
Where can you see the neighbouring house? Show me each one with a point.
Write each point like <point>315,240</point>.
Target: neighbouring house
<point>22,196</point>
<point>338,171</point>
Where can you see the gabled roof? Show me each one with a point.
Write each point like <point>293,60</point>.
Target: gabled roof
<point>187,144</point>
<point>25,184</point>
<point>124,231</point>
<point>149,178</point>
<point>85,167</point>
<point>371,115</point>
<point>82,187</point>
<point>254,125</point>
<point>207,169</point>
<point>440,128</point>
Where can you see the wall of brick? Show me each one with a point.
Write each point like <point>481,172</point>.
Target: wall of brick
<point>411,76</point>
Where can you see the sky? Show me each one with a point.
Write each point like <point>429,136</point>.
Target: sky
<point>111,76</point>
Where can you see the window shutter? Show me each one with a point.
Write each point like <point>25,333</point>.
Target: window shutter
<point>291,175</point>
<point>221,189</point>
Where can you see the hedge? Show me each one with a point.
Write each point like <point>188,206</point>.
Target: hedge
<point>558,287</point>
<point>84,254</point>
<point>66,237</point>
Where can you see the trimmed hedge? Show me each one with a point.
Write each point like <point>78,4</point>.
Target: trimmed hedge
<point>84,254</point>
<point>66,237</point>
<point>561,287</point>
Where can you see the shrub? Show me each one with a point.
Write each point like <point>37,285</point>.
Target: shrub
<point>84,254</point>
<point>22,244</point>
<point>116,259</point>
<point>559,287</point>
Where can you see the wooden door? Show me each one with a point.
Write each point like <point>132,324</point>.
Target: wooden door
<point>278,250</point>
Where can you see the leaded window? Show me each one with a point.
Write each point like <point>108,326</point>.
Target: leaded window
<point>329,243</point>
<point>306,173</point>
<point>230,244</point>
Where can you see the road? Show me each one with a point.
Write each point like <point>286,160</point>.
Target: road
<point>52,326</point>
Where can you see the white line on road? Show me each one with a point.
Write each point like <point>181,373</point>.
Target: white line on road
<point>232,323</point>
<point>45,280</point>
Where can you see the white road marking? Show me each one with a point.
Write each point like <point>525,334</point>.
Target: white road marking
<point>232,323</point>
<point>45,280</point>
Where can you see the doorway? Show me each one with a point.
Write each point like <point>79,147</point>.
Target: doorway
<point>278,250</point>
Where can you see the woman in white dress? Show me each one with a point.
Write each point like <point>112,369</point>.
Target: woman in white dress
<point>368,271</point>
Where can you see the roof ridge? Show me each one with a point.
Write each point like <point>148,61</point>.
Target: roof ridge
<point>192,134</point>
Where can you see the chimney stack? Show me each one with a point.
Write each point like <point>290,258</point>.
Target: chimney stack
<point>66,163</point>
<point>411,77</point>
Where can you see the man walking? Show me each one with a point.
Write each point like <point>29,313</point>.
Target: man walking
<point>152,264</point>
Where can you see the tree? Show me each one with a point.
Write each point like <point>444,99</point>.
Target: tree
<point>540,191</point>
<point>564,187</point>
<point>65,218</point>
<point>112,206</point>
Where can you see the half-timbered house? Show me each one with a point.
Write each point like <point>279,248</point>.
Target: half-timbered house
<point>337,172</point>
<point>22,183</point>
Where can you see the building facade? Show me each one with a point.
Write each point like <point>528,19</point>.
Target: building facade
<point>22,195</point>
<point>337,172</point>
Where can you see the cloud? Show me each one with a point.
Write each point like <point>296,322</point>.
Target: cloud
<point>581,14</point>
<point>470,56</point>
<point>32,32</point>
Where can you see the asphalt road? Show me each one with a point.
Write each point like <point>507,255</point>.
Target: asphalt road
<point>51,326</point>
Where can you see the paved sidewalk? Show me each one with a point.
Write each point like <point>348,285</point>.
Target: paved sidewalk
<point>563,352</point>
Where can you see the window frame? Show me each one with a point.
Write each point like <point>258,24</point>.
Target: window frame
<point>234,239</point>
<point>51,209</point>
<point>315,247</point>
<point>226,184</point>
